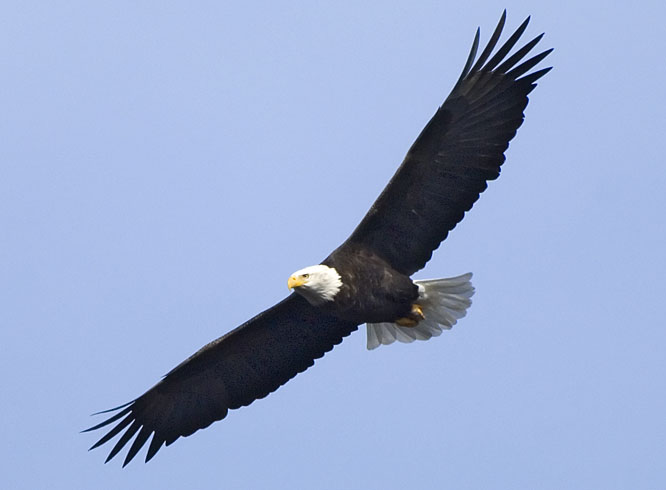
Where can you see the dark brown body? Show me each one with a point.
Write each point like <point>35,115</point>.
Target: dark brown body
<point>372,291</point>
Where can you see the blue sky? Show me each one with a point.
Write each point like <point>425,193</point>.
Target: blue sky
<point>165,168</point>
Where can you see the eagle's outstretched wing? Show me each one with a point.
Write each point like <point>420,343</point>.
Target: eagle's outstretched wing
<point>459,150</point>
<point>244,365</point>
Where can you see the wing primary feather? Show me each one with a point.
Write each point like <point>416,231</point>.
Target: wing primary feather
<point>533,77</point>
<point>123,440</point>
<point>113,432</point>
<point>488,82</point>
<point>155,446</point>
<point>507,46</point>
<point>470,58</point>
<point>518,55</point>
<point>491,44</point>
<point>110,419</point>
<point>112,409</point>
<point>528,65</point>
<point>138,443</point>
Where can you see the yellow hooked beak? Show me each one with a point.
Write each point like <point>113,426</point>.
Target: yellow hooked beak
<point>295,282</point>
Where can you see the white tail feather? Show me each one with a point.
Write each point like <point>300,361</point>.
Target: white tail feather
<point>443,301</point>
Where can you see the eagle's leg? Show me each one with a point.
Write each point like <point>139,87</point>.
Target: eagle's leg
<point>415,316</point>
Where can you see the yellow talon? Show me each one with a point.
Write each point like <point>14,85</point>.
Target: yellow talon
<point>413,319</point>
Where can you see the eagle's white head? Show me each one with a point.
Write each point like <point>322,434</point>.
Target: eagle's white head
<point>317,283</point>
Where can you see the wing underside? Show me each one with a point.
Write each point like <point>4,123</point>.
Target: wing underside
<point>456,154</point>
<point>246,364</point>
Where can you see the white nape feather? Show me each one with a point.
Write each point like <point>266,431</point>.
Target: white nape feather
<point>443,301</point>
<point>320,283</point>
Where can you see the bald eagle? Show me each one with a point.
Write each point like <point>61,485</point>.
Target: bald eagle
<point>367,279</point>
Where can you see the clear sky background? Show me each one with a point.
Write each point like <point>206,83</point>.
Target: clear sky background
<point>164,168</point>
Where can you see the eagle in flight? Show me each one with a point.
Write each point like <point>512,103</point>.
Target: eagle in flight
<point>366,279</point>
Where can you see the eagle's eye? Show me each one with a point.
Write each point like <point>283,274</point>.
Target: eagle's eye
<point>305,276</point>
